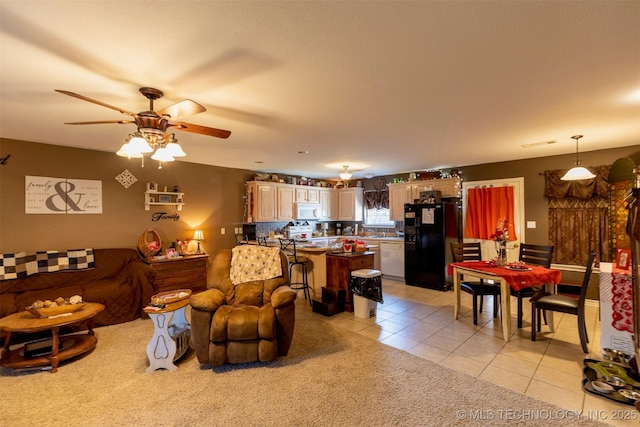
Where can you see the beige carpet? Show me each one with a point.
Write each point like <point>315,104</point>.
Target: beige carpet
<point>332,377</point>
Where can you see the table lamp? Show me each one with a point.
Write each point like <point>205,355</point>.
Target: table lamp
<point>198,235</point>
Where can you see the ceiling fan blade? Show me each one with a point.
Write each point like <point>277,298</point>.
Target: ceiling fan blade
<point>189,127</point>
<point>84,98</point>
<point>101,122</point>
<point>182,109</point>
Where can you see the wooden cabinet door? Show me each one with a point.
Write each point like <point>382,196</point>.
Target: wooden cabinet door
<point>286,195</point>
<point>265,203</point>
<point>350,204</point>
<point>399,194</point>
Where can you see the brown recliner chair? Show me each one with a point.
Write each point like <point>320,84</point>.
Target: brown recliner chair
<point>249,322</point>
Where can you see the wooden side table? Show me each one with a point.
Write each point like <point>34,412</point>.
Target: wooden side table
<point>170,340</point>
<point>188,272</point>
<point>339,268</point>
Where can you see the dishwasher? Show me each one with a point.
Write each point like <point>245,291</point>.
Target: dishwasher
<point>392,258</point>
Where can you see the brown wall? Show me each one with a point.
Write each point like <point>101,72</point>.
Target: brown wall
<point>213,200</point>
<point>213,196</point>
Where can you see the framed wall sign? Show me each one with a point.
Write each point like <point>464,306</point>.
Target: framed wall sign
<point>164,198</point>
<point>49,195</point>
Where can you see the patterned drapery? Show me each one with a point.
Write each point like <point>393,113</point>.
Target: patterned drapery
<point>579,216</point>
<point>377,199</point>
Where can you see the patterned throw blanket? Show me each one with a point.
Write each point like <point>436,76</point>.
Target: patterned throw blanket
<point>253,262</point>
<point>23,264</point>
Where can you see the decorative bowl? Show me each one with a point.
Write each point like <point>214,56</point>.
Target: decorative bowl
<point>615,382</point>
<point>629,394</point>
<point>55,311</point>
<point>171,296</point>
<point>602,387</point>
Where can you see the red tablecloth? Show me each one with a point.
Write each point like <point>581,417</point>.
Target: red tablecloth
<point>518,280</point>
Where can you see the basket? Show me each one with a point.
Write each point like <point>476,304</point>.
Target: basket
<point>143,243</point>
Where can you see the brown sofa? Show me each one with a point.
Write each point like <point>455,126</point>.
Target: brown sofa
<point>120,280</point>
<point>249,322</point>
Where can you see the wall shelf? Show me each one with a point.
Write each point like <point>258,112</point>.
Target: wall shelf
<point>157,198</point>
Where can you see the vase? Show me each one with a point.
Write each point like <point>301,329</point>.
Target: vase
<point>501,249</point>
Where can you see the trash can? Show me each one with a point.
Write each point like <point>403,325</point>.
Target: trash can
<point>363,307</point>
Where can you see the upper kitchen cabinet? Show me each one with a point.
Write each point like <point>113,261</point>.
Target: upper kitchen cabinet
<point>286,194</point>
<point>328,204</point>
<point>306,194</point>
<point>407,192</point>
<point>263,201</point>
<point>350,204</point>
<point>399,194</point>
<point>270,202</point>
<point>448,187</point>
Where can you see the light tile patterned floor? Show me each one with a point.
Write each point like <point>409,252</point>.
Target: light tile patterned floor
<point>420,321</point>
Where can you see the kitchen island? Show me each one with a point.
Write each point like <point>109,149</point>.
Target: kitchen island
<point>339,268</point>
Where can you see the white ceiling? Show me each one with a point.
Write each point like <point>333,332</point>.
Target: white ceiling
<point>385,87</point>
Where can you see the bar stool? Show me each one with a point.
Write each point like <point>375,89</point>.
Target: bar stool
<point>288,246</point>
<point>366,285</point>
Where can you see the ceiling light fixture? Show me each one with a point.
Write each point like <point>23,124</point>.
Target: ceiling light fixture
<point>578,172</point>
<point>345,174</point>
<point>146,141</point>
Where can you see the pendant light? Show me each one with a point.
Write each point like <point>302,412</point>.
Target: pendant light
<point>578,172</point>
<point>345,174</point>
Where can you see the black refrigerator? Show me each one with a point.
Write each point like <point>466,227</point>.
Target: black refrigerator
<point>425,245</point>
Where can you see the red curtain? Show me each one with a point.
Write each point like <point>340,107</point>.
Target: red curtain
<point>486,207</point>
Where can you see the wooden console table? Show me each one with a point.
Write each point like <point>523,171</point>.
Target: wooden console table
<point>339,268</point>
<point>188,272</point>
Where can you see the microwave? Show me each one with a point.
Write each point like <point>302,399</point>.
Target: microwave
<point>306,211</point>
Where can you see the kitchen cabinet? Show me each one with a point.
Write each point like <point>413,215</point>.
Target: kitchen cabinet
<point>286,195</point>
<point>448,187</point>
<point>350,204</point>
<point>328,198</point>
<point>407,192</point>
<point>399,194</point>
<point>339,268</point>
<point>263,197</point>
<point>306,194</point>
<point>270,202</point>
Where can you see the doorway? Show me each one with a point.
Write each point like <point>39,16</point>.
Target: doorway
<point>488,246</point>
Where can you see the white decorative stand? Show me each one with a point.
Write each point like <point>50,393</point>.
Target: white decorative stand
<point>171,334</point>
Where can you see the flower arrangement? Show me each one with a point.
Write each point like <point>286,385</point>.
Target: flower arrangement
<point>501,234</point>
<point>500,237</point>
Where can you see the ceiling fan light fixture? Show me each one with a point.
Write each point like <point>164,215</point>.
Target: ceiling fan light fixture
<point>578,172</point>
<point>138,144</point>
<point>162,155</point>
<point>126,151</point>
<point>345,174</point>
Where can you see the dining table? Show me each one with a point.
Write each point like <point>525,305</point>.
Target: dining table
<point>508,277</point>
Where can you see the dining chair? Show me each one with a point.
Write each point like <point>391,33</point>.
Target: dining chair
<point>462,252</point>
<point>536,255</point>
<point>288,246</point>
<point>564,304</point>
<point>262,241</point>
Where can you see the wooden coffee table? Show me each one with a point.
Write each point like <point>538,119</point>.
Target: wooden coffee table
<point>71,345</point>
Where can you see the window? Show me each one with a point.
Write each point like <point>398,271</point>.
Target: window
<point>378,217</point>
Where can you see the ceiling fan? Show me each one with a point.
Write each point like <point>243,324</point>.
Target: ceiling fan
<point>155,123</point>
